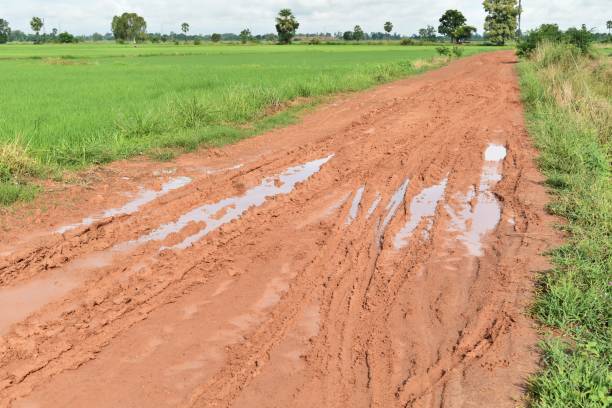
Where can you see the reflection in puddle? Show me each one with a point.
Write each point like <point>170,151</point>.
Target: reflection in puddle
<point>473,222</point>
<point>144,197</point>
<point>374,205</point>
<point>355,205</point>
<point>422,206</point>
<point>394,203</point>
<point>495,152</point>
<point>233,207</point>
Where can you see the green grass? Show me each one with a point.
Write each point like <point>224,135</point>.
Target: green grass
<point>69,106</point>
<point>569,111</point>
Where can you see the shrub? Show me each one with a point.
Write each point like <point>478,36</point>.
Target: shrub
<point>444,51</point>
<point>216,37</point>
<point>314,41</point>
<point>197,42</point>
<point>406,41</point>
<point>457,51</point>
<point>580,38</point>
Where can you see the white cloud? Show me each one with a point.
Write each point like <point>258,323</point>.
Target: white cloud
<point>207,16</point>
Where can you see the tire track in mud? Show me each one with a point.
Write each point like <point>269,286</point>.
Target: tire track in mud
<point>325,292</point>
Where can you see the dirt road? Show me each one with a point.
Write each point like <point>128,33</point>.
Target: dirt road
<point>380,253</point>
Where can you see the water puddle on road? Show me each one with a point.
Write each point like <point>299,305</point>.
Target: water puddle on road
<point>352,215</point>
<point>145,196</point>
<point>479,211</point>
<point>19,301</point>
<point>396,200</point>
<point>422,206</point>
<point>224,211</point>
<point>374,205</point>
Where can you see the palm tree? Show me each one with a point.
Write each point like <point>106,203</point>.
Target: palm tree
<point>609,26</point>
<point>185,29</point>
<point>37,24</point>
<point>388,27</point>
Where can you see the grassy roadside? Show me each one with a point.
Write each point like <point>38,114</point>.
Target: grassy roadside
<point>568,100</point>
<point>68,112</point>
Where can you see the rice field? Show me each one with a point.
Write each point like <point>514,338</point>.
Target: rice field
<point>67,106</point>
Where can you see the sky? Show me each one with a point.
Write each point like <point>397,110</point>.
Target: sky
<point>208,16</point>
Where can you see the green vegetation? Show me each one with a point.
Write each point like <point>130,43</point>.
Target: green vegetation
<point>452,24</point>
<point>67,106</point>
<point>568,98</point>
<point>286,26</point>
<point>500,23</point>
<point>129,26</point>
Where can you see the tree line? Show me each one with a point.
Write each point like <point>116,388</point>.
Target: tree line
<point>501,25</point>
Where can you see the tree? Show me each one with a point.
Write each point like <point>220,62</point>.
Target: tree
<point>450,21</point>
<point>286,26</point>
<point>464,33</point>
<point>500,23</point>
<point>37,24</point>
<point>357,33</point>
<point>388,27</point>
<point>54,33</point>
<point>245,36</point>
<point>215,37</point>
<point>428,33</point>
<point>347,36</point>
<point>66,38</point>
<point>5,31</point>
<point>129,26</point>
<point>185,29</point>
<point>609,26</point>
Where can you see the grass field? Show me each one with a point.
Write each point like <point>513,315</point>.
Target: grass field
<point>66,106</point>
<point>569,111</point>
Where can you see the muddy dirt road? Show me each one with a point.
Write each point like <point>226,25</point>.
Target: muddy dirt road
<point>378,254</point>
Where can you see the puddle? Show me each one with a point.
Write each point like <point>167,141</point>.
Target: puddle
<point>394,203</point>
<point>422,206</point>
<point>233,207</point>
<point>374,205</point>
<point>18,302</point>
<point>355,205</point>
<point>473,221</point>
<point>143,197</point>
<point>495,152</point>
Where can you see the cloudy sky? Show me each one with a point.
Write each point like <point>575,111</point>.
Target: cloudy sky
<point>207,16</point>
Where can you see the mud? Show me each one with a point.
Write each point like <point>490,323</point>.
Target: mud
<point>380,253</point>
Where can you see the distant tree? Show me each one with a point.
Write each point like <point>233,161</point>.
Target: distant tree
<point>129,26</point>
<point>609,26</point>
<point>286,26</point>
<point>215,37</point>
<point>185,29</point>
<point>388,27</point>
<point>347,36</point>
<point>357,33</point>
<point>37,24</point>
<point>450,21</point>
<point>66,38</point>
<point>245,36</point>
<point>5,31</point>
<point>54,33</point>
<point>97,37</point>
<point>428,33</point>
<point>464,33</point>
<point>500,24</point>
